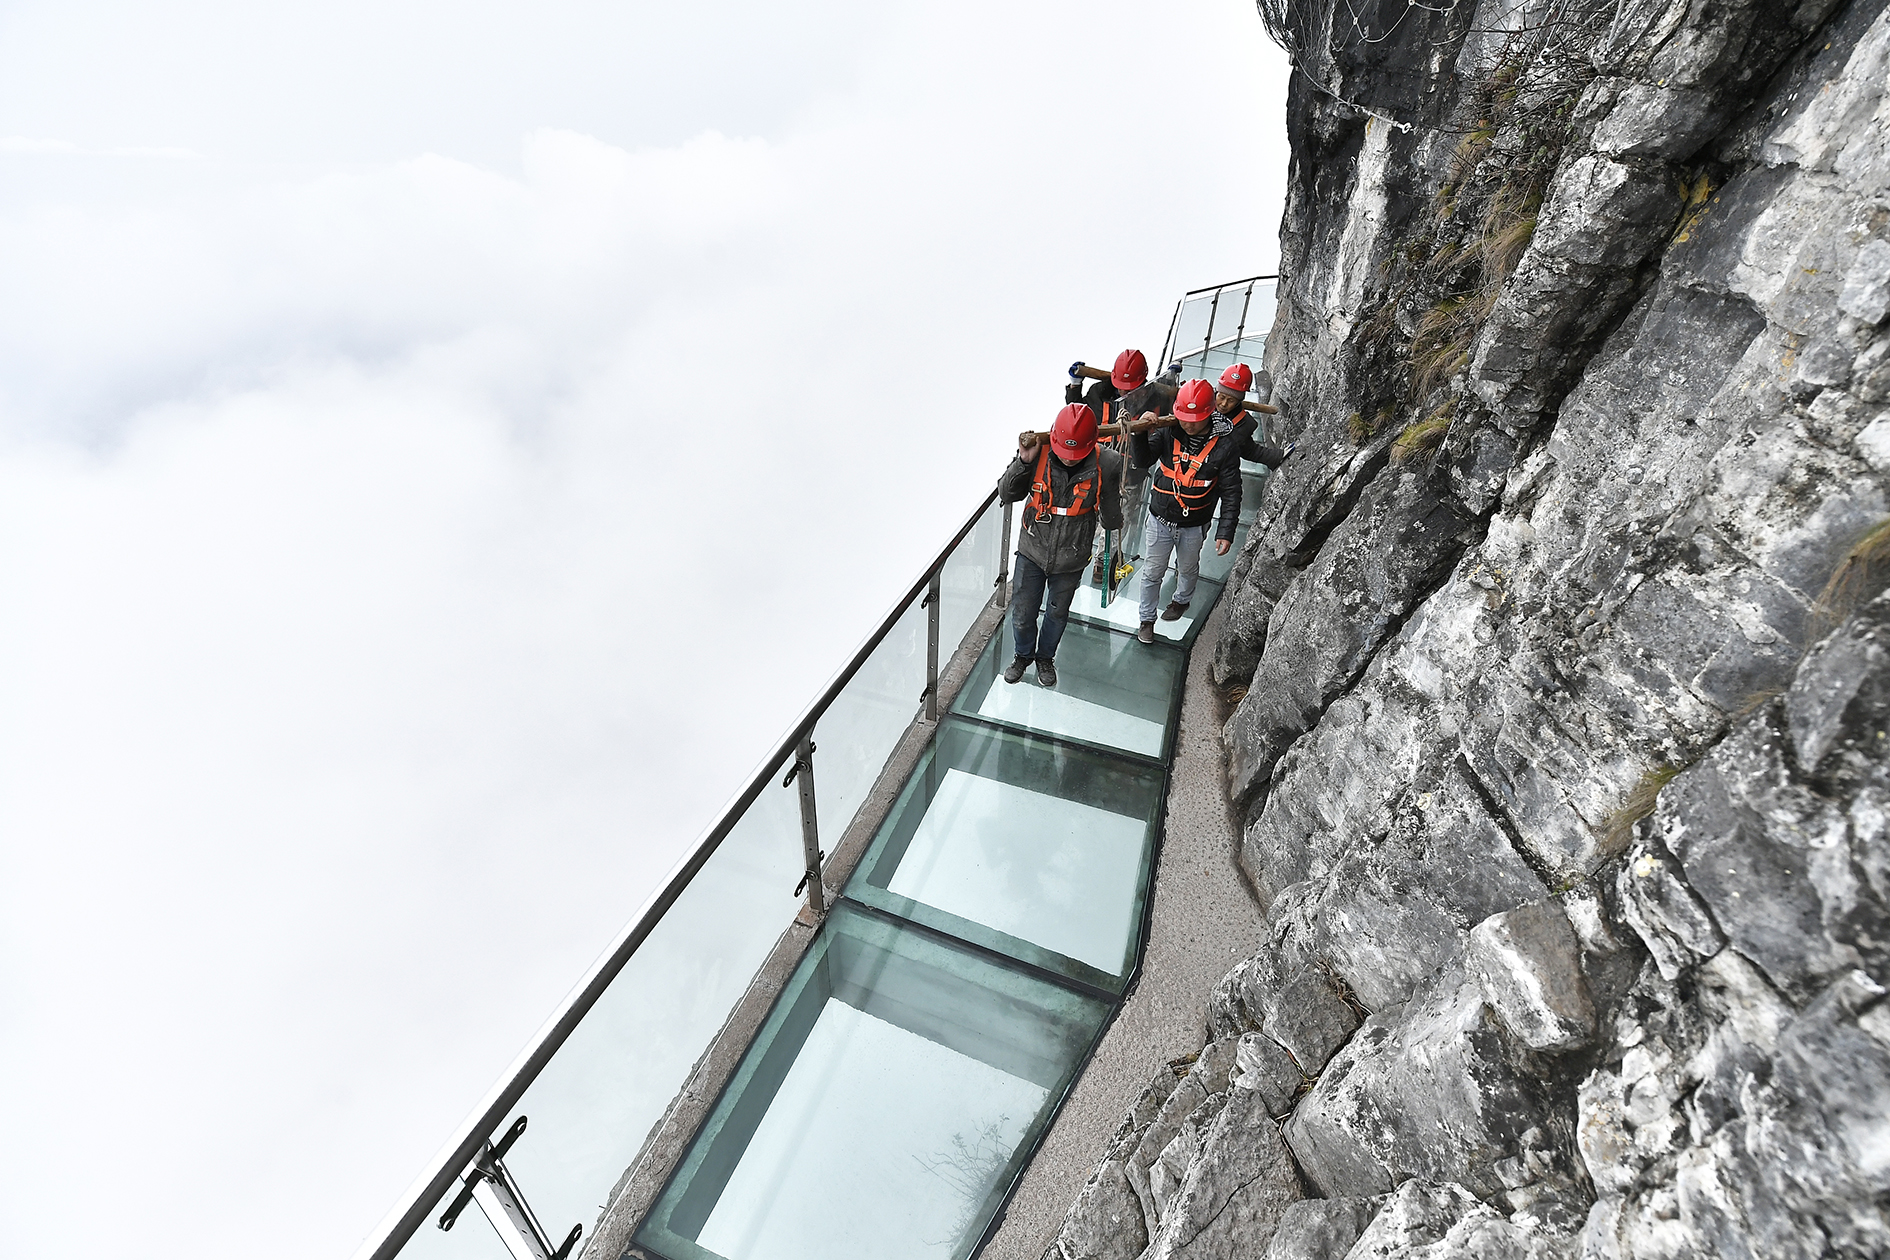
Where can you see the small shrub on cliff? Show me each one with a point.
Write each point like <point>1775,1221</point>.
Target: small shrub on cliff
<point>1617,833</point>
<point>1858,578</point>
<point>1425,435</point>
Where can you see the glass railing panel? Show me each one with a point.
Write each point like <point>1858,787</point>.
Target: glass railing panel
<point>1111,691</point>
<point>1261,308</point>
<point>1253,488</point>
<point>885,1108</point>
<point>1191,326</point>
<point>1230,313</point>
<point>967,580</point>
<point>1026,847</point>
<point>1218,360</point>
<point>858,732</point>
<point>594,1104</point>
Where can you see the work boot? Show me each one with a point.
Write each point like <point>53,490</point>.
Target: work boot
<point>1147,633</point>
<point>1174,611</point>
<point>1046,671</point>
<point>1014,672</point>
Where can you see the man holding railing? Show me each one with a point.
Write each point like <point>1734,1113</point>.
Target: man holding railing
<point>1066,483</point>
<point>1196,465</point>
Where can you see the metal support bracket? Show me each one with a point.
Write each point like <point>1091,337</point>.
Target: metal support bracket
<point>803,772</point>
<point>1003,582</point>
<point>931,650</point>
<point>489,1183</point>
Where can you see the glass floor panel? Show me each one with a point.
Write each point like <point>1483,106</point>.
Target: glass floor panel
<point>1124,611</point>
<point>1111,691</point>
<point>1023,845</point>
<point>885,1108</point>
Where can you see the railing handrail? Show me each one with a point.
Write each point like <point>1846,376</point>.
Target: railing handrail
<point>1174,321</point>
<point>1228,284</point>
<point>410,1213</point>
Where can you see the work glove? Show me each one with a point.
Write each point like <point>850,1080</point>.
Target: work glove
<point>1073,368</point>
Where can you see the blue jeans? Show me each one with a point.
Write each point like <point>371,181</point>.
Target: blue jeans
<point>1158,539</point>
<point>1028,585</point>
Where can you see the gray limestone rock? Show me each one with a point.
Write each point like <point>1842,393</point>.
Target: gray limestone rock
<point>1447,1222</point>
<point>1155,1139</point>
<point>1235,1191</point>
<point>1383,558</point>
<point>1105,1223</point>
<point>1834,701</point>
<point>1670,431</point>
<point>1320,1229</point>
<point>1528,963</point>
<point>1426,1090</point>
<point>1670,919</point>
<point>1866,292</point>
<point>1295,1004</point>
<point>1267,1068</point>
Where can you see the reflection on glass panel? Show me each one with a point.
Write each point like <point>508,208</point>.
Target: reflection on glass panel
<point>597,1100</point>
<point>885,1108</point>
<point>1253,481</point>
<point>1230,313</point>
<point>968,579</point>
<point>857,733</point>
<point>1111,691</point>
<point>1034,849</point>
<point>1261,308</point>
<point>1192,325</point>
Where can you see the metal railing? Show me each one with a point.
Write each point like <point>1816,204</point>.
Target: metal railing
<point>1219,329</point>
<point>798,748</point>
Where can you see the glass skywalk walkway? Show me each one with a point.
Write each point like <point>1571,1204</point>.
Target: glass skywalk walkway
<point>742,1078</point>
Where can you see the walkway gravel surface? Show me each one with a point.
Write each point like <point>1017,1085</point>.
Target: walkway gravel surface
<point>1205,921</point>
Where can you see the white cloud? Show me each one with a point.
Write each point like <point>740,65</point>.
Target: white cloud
<point>404,556</point>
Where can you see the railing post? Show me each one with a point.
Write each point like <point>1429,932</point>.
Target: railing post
<point>1004,557</point>
<point>931,650</point>
<point>803,772</point>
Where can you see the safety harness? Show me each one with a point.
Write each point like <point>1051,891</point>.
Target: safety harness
<point>1040,494</point>
<point>1186,486</point>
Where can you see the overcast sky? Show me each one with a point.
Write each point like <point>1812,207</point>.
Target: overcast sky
<point>441,449</point>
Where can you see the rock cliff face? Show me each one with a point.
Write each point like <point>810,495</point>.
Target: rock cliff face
<point>1562,752</point>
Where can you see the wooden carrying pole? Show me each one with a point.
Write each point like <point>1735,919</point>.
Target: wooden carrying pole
<point>1031,438</point>
<point>1102,374</point>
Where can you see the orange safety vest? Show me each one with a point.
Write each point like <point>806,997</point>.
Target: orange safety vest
<point>1040,496</point>
<point>1184,477</point>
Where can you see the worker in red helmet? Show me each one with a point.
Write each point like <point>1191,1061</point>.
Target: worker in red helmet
<point>1067,485</point>
<point>1127,392</point>
<point>1128,376</point>
<point>1230,397</point>
<point>1195,468</point>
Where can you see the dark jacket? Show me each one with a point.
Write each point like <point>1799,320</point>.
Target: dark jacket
<point>1101,397</point>
<point>1149,396</point>
<point>1247,438</point>
<point>1063,543</point>
<point>1222,465</point>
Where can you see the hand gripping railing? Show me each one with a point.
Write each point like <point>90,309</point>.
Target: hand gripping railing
<point>797,746</point>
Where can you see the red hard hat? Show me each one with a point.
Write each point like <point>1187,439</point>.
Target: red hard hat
<point>1074,433</point>
<point>1130,371</point>
<point>1237,379</point>
<point>1195,401</point>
